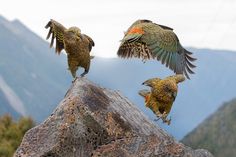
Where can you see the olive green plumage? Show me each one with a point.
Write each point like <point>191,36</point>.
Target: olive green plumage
<point>147,40</point>
<point>76,45</point>
<point>162,95</point>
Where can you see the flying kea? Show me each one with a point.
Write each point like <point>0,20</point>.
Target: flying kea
<point>76,45</point>
<point>162,95</point>
<point>147,40</point>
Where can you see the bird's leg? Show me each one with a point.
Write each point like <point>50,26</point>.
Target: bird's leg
<point>74,79</point>
<point>157,119</point>
<point>158,114</point>
<point>164,118</point>
<point>167,121</point>
<point>84,73</point>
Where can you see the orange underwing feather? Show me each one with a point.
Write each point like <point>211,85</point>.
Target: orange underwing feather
<point>135,30</point>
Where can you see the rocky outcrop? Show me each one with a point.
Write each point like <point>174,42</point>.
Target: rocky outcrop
<point>98,122</point>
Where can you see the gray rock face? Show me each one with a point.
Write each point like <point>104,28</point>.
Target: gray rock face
<point>93,121</point>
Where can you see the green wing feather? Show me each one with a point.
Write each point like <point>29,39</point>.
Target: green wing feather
<point>157,41</point>
<point>57,31</point>
<point>165,46</point>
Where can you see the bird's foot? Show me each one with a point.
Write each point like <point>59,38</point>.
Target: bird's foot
<point>84,73</point>
<point>167,121</point>
<point>159,116</point>
<point>163,117</point>
<point>74,79</point>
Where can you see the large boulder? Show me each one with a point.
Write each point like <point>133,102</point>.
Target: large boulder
<point>93,121</point>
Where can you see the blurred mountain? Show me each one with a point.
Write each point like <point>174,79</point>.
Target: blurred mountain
<point>30,70</point>
<point>217,133</point>
<point>39,78</point>
<point>5,107</point>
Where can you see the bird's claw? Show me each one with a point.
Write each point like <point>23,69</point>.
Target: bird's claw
<point>163,117</point>
<point>156,119</point>
<point>84,73</point>
<point>167,121</point>
<point>74,79</point>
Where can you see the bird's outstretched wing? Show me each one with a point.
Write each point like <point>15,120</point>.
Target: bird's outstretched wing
<point>57,31</point>
<point>148,40</point>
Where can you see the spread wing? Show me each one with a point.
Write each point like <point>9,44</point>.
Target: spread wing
<point>149,40</point>
<point>91,42</point>
<point>57,31</point>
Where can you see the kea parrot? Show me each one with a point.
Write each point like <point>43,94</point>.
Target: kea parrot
<point>162,95</point>
<point>76,45</point>
<point>147,40</point>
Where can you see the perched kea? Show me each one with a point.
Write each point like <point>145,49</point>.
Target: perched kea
<point>76,45</point>
<point>162,95</point>
<point>147,40</point>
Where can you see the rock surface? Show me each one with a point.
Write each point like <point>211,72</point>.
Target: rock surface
<point>93,121</point>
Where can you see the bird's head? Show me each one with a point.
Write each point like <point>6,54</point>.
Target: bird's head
<point>76,31</point>
<point>151,82</point>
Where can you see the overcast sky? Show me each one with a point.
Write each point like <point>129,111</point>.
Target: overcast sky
<point>198,23</point>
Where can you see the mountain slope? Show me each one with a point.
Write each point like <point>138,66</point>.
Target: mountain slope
<point>217,133</point>
<point>31,69</point>
<point>5,107</point>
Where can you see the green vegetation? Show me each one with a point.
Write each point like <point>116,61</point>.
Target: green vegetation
<point>217,133</point>
<point>11,133</point>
